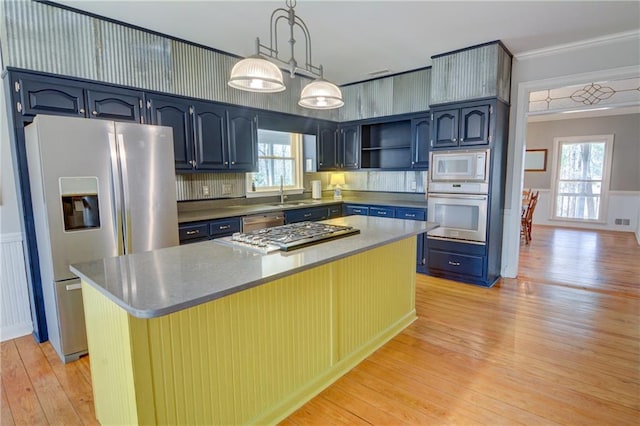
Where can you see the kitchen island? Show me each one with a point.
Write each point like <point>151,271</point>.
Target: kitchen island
<point>206,333</point>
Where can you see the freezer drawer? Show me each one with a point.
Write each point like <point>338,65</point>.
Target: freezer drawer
<point>73,335</point>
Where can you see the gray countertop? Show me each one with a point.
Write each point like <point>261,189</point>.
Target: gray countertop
<point>249,209</point>
<point>160,282</point>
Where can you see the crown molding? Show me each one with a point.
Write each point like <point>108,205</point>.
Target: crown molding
<point>608,39</point>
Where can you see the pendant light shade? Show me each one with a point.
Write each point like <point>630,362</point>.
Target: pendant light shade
<point>321,94</point>
<point>256,74</point>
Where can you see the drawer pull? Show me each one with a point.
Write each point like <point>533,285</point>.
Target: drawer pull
<point>307,215</point>
<point>196,231</point>
<point>383,213</point>
<point>410,215</point>
<point>223,227</point>
<point>454,263</point>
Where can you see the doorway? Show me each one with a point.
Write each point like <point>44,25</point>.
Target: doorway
<point>511,231</point>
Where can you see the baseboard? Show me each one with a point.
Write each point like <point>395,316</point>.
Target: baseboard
<point>14,331</point>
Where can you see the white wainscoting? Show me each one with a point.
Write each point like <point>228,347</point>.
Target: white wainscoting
<point>621,205</point>
<point>15,317</point>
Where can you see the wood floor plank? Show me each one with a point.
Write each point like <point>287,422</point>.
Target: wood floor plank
<point>74,383</point>
<point>24,404</point>
<point>53,400</point>
<point>6,418</point>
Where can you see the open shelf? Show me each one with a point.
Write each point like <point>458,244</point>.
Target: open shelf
<point>386,145</point>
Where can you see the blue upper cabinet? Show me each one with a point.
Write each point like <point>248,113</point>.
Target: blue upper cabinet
<point>56,96</point>
<point>242,140</point>
<point>210,130</point>
<point>464,125</point>
<point>115,105</point>
<point>327,145</point>
<point>420,134</point>
<point>42,95</point>
<point>207,136</point>
<point>349,147</point>
<point>175,113</point>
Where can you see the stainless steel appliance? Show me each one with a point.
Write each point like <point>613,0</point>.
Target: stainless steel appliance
<point>99,189</point>
<point>260,221</point>
<point>461,217</point>
<point>288,237</point>
<point>448,169</point>
<point>458,195</point>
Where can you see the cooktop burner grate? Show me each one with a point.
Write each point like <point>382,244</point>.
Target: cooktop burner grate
<point>289,237</point>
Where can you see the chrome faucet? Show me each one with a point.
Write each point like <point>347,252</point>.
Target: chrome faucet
<point>281,190</point>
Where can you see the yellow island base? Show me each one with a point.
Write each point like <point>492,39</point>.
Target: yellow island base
<point>252,357</point>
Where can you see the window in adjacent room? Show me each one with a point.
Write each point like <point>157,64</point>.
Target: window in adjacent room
<point>581,177</point>
<point>279,157</point>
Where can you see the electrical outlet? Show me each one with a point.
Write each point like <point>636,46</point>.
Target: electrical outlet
<point>226,189</point>
<point>626,222</point>
<point>205,190</point>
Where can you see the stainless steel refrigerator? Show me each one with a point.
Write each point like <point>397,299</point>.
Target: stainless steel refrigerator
<point>99,189</point>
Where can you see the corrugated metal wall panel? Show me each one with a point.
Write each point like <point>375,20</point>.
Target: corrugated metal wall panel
<point>50,39</point>
<point>352,109</point>
<point>189,186</point>
<point>411,91</point>
<point>377,98</point>
<point>133,58</point>
<point>481,72</point>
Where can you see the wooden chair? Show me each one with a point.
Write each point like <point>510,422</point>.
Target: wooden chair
<point>526,219</point>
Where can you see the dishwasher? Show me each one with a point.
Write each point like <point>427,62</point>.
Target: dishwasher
<point>260,221</point>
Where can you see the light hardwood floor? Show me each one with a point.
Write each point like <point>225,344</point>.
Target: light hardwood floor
<point>558,345</point>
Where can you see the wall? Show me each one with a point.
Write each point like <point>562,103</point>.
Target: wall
<point>625,173</point>
<point>15,316</point>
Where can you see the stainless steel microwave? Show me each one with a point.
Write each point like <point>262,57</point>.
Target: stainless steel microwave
<point>459,166</point>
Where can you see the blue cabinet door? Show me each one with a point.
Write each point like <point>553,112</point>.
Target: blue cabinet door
<point>243,140</point>
<point>411,213</point>
<point>211,149</point>
<point>310,214</point>
<point>420,136</point>
<point>115,104</point>
<point>175,113</point>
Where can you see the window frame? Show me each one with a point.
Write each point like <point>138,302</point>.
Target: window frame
<point>605,182</point>
<point>296,153</point>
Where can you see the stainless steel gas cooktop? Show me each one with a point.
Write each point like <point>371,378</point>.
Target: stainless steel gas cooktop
<point>288,237</point>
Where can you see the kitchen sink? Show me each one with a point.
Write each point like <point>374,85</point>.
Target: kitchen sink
<point>292,203</point>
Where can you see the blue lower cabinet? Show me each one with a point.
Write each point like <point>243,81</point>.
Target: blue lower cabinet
<point>335,211</point>
<point>458,261</point>
<point>302,215</point>
<point>411,213</point>
<point>193,232</point>
<point>382,211</point>
<point>350,210</point>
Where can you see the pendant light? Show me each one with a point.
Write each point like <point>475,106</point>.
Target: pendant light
<point>259,73</point>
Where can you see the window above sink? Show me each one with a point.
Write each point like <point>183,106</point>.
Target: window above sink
<point>280,157</point>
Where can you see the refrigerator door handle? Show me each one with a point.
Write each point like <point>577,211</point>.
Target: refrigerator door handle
<point>126,197</point>
<point>116,191</point>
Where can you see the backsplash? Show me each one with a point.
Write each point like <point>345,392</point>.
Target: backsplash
<point>191,187</point>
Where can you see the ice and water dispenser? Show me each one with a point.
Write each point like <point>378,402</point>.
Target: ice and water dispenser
<point>79,197</point>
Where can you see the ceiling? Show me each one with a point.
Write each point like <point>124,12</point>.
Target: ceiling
<point>353,39</point>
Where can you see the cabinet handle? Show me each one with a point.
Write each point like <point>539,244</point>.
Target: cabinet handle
<point>461,139</point>
<point>454,263</point>
<point>233,162</point>
<point>16,86</point>
<point>226,163</point>
<point>223,227</point>
<point>413,162</point>
<point>148,104</point>
<point>321,164</point>
<point>19,107</point>
<point>355,164</point>
<point>307,215</point>
<point>454,140</point>
<point>94,112</point>
<point>197,231</point>
<point>82,110</point>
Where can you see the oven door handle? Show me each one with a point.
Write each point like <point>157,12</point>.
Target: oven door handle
<point>458,196</point>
